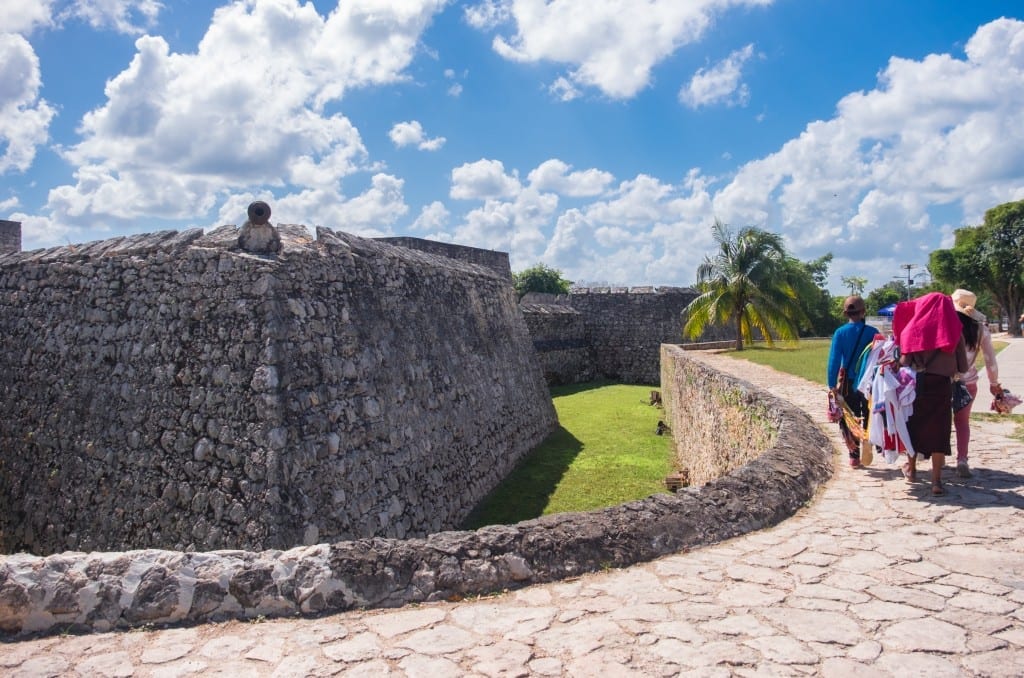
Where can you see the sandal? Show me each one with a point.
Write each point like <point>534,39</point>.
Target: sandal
<point>937,490</point>
<point>909,474</point>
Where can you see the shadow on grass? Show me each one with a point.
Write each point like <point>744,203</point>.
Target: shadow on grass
<point>526,491</point>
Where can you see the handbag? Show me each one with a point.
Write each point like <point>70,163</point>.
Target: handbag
<point>833,412</point>
<point>961,396</point>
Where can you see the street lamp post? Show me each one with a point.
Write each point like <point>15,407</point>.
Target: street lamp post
<point>910,281</point>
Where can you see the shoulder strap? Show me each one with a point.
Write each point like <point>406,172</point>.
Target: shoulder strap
<point>855,345</point>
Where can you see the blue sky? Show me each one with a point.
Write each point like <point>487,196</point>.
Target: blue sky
<point>599,137</point>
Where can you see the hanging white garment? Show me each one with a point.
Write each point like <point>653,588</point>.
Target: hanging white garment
<point>890,389</point>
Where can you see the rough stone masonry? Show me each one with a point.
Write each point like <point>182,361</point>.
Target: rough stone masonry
<point>172,390</point>
<point>760,487</point>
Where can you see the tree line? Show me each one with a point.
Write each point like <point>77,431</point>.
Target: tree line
<point>751,283</point>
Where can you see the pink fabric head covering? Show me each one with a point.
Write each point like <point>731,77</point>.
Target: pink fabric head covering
<point>927,323</point>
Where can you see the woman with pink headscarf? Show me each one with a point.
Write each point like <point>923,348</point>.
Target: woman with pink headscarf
<point>930,337</point>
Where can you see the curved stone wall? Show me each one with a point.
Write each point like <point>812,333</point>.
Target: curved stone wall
<point>727,423</point>
<point>101,591</point>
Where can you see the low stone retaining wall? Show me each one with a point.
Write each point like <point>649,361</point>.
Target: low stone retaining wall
<point>719,424</point>
<point>709,345</point>
<point>103,591</point>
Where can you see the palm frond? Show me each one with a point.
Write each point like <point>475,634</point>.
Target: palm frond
<point>748,284</point>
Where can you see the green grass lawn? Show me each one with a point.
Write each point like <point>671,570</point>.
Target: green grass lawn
<point>605,452</point>
<point>807,359</point>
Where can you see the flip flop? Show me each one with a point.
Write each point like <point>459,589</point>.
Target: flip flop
<point>937,490</point>
<point>910,476</point>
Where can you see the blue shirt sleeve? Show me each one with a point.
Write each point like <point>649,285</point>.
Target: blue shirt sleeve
<point>835,358</point>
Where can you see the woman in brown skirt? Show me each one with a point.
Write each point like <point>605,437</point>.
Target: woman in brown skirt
<point>931,342</point>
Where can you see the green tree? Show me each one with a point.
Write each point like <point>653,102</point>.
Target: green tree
<point>889,293</point>
<point>810,279</point>
<point>986,259</point>
<point>540,278</point>
<point>855,284</point>
<point>749,284</point>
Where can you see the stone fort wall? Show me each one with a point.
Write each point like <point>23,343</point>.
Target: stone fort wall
<point>171,391</point>
<point>766,483</point>
<point>497,261</point>
<point>10,236</point>
<point>615,333</point>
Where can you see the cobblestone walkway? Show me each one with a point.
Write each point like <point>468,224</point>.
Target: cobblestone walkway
<point>874,578</point>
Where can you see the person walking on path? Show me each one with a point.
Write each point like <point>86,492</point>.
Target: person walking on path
<point>931,341</point>
<point>976,338</point>
<point>848,342</point>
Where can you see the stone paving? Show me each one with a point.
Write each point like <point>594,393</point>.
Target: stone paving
<point>875,577</point>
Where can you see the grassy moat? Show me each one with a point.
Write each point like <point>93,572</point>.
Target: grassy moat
<point>606,451</point>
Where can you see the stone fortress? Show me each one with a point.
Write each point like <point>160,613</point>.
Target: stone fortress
<point>172,390</point>
<point>209,403</point>
<point>610,333</point>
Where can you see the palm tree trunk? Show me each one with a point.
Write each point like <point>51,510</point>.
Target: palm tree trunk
<point>739,334</point>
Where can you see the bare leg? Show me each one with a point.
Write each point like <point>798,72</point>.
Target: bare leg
<point>938,461</point>
<point>910,468</point>
<point>962,424</point>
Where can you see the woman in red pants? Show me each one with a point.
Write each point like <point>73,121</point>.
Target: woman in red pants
<point>977,339</point>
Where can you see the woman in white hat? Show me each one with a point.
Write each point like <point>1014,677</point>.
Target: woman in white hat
<point>976,337</point>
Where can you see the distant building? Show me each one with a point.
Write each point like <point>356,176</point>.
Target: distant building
<point>10,236</point>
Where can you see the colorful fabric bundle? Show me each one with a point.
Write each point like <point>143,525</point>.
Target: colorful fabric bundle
<point>890,389</point>
<point>1005,402</point>
<point>926,324</point>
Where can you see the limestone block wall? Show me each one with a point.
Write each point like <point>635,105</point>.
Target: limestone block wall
<point>497,261</point>
<point>170,391</point>
<point>10,236</point>
<point>623,329</point>
<point>719,424</point>
<point>559,335</point>
<point>103,591</point>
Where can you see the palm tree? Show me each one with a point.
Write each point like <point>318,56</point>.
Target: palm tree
<point>855,283</point>
<point>749,284</point>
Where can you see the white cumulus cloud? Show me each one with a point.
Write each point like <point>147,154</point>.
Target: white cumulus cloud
<point>611,46</point>
<point>432,219</point>
<point>124,16</point>
<point>24,116</point>
<point>488,14</point>
<point>243,113</point>
<point>412,134</point>
<point>933,146</point>
<point>482,180</point>
<point>555,176</point>
<point>23,17</point>
<point>719,84</point>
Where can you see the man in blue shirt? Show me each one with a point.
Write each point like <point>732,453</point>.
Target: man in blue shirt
<point>848,342</point>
